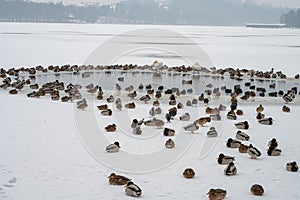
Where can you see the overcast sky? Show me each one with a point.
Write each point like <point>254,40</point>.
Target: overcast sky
<point>283,3</point>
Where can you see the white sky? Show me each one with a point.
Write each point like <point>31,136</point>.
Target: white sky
<point>282,3</point>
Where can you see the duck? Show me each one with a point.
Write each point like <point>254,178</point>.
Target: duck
<point>239,112</point>
<point>132,95</point>
<point>172,102</point>
<point>212,111</point>
<point>273,151</point>
<point>286,109</point>
<point>179,105</point>
<point>146,98</point>
<point>216,117</point>
<point>111,128</point>
<point>157,111</point>
<point>113,148</point>
<point>203,120</point>
<point>212,132</point>
<point>221,107</point>
<point>257,190</point>
<point>168,117</point>
<point>154,122</point>
<point>292,166</point>
<point>231,115</point>
<point>129,88</point>
<point>114,179</point>
<point>141,86</point>
<point>137,130</point>
<point>273,143</point>
<point>260,116</point>
<point>132,189</point>
<point>103,107</point>
<point>188,103</point>
<point>188,173</point>
<point>253,152</point>
<point>287,98</point>
<point>130,105</point>
<point>82,106</point>
<point>191,127</point>
<point>225,160</point>
<point>266,121</point>
<point>135,123</point>
<point>242,136</point>
<point>185,117</point>
<point>173,112</point>
<point>152,112</point>
<point>243,148</point>
<point>170,144</point>
<point>216,194</point>
<point>242,125</point>
<point>158,94</point>
<point>231,143</point>
<point>110,99</point>
<point>13,91</point>
<point>194,102</point>
<point>156,103</point>
<point>260,109</point>
<point>169,132</point>
<point>107,112</point>
<point>119,106</point>
<point>233,106</point>
<point>230,170</point>
<point>93,89</point>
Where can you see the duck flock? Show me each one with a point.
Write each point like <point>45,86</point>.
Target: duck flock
<point>129,97</point>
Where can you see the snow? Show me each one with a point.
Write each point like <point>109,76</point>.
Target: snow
<point>45,155</point>
<point>51,150</point>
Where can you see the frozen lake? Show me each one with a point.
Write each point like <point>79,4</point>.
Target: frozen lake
<point>45,44</point>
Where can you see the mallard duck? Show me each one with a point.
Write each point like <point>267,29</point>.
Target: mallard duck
<point>242,136</point>
<point>117,179</point>
<point>152,112</point>
<point>212,111</point>
<point>111,128</point>
<point>156,103</point>
<point>242,125</point>
<point>221,107</point>
<point>110,99</point>
<point>157,111</point>
<point>260,116</point>
<point>13,91</point>
<point>135,123</point>
<point>188,173</point>
<point>231,115</point>
<point>129,88</point>
<point>119,106</point>
<point>273,151</point>
<point>137,130</point>
<point>230,170</point>
<point>82,106</point>
<point>185,117</point>
<point>132,95</point>
<point>292,166</point>
<point>93,90</point>
<point>216,194</point>
<point>243,148</point>
<point>225,160</point>
<point>145,98</point>
<point>257,190</point>
<point>191,127</point>
<point>132,189</point>
<point>212,132</point>
<point>231,143</point>
<point>239,112</point>
<point>169,132</point>
<point>273,143</point>
<point>130,105</point>
<point>113,148</point>
<point>260,109</point>
<point>216,117</point>
<point>253,152</point>
<point>188,103</point>
<point>203,120</point>
<point>286,109</point>
<point>173,112</point>
<point>107,112</point>
<point>170,144</point>
<point>266,121</point>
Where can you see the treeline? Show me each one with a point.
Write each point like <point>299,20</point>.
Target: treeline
<point>291,19</point>
<point>190,12</point>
